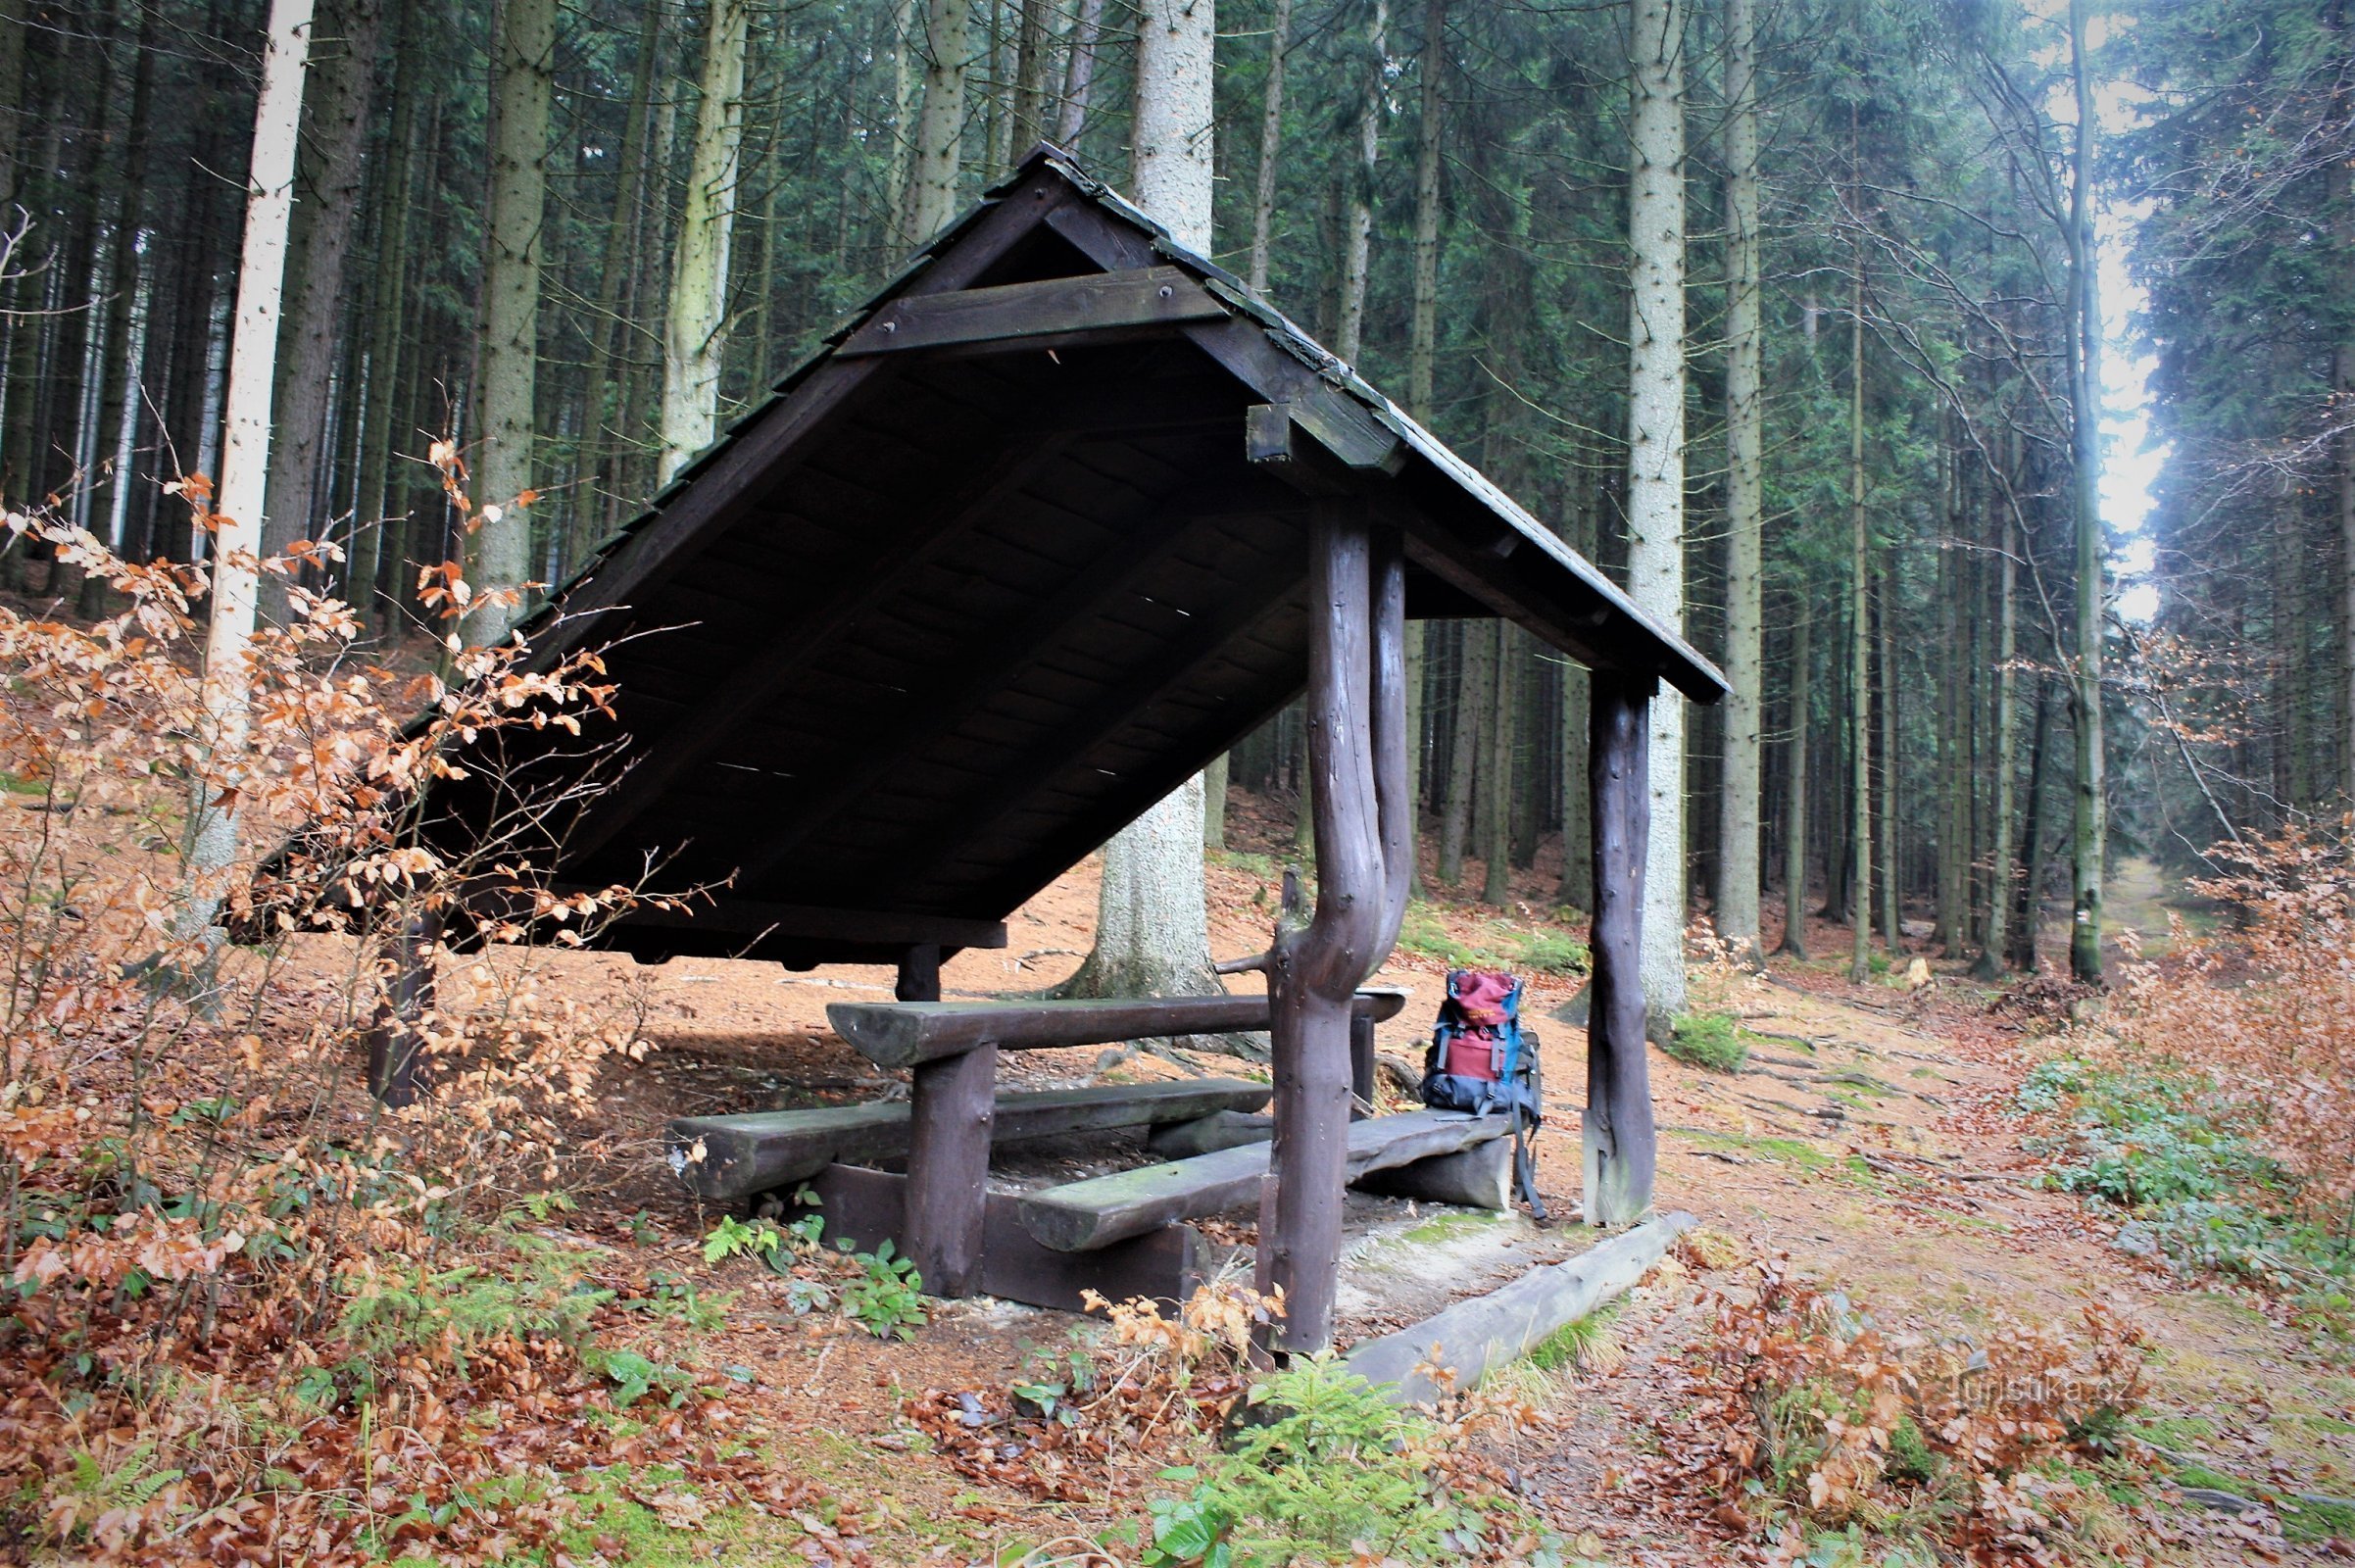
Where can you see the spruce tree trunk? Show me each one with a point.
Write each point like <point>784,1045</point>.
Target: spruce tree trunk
<point>944,47</point>
<point>1496,847</point>
<point>1891,871</point>
<point>695,328</point>
<point>1655,499</point>
<point>2090,826</point>
<point>245,461</point>
<point>1475,666</point>
<point>2342,201</point>
<point>1079,71</point>
<point>1271,141</point>
<point>1860,629</point>
<point>1996,951</point>
<point>607,418</point>
<point>2028,907</point>
<point>1794,830</point>
<point>334,158</point>
<point>386,335</point>
<point>1737,879</point>
<point>524,56</point>
<point>1030,76</point>
<point>1357,233</point>
<point>1152,933</point>
<point>906,97</point>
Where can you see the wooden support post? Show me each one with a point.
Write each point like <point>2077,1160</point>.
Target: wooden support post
<point>1362,1066</point>
<point>954,1103</point>
<point>397,1068</point>
<point>1356,754</point>
<point>1620,1142</point>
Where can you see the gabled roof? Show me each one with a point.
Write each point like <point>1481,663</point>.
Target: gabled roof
<point>1018,550</point>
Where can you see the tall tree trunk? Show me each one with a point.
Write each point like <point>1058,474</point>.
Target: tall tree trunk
<point>1475,675</point>
<point>2089,827</point>
<point>696,330</point>
<point>606,421</point>
<point>1892,883</point>
<point>1794,830</point>
<point>128,306</point>
<point>1996,951</point>
<point>245,465</point>
<point>1738,878</point>
<point>1495,845</point>
<point>388,318</point>
<point>523,83</point>
<point>1152,926</point>
<point>334,157</point>
<point>1272,140</point>
<point>1358,235</point>
<point>2027,903</point>
<point>1860,615</point>
<point>906,97</point>
<point>1655,490</point>
<point>1030,75</point>
<point>1079,71</point>
<point>946,44</point>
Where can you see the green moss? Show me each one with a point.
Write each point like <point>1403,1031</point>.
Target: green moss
<point>1574,1341</point>
<point>1712,1041</point>
<point>2199,1475</point>
<point>2311,1522</point>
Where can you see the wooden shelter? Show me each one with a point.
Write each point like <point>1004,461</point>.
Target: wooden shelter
<point>1053,522</point>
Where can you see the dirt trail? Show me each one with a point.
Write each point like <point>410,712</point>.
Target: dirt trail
<point>1914,1203</point>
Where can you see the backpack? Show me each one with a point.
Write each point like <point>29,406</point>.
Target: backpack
<point>1481,1061</point>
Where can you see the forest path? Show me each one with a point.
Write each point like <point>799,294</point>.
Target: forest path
<point>1914,1200</point>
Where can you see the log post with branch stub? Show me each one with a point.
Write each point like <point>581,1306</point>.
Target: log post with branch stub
<point>1357,756</point>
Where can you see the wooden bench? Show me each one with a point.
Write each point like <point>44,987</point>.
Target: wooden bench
<point>762,1152</point>
<point>1082,1216</point>
<point>952,1048</point>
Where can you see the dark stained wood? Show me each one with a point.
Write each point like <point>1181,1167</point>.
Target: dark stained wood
<point>1362,1066</point>
<point>1203,639</point>
<point>867,1208</point>
<point>1081,1216</point>
<point>752,917</point>
<point>398,1070</point>
<point>1011,313</point>
<point>1268,433</point>
<point>909,1033</point>
<point>732,702</point>
<point>1620,1142</point>
<point>1342,426</point>
<point>762,1152</point>
<point>954,1103</point>
<point>1132,560</point>
<point>1313,967</point>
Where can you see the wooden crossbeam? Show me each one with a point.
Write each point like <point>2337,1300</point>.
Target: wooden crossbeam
<point>1016,313</point>
<point>904,1034</point>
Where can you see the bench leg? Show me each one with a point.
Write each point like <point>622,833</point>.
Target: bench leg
<point>953,1106</point>
<point>1362,1065</point>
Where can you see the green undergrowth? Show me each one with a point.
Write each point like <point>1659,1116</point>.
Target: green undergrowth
<point>2169,1149</point>
<point>1325,1470</point>
<point>1712,1041</point>
<point>1490,945</point>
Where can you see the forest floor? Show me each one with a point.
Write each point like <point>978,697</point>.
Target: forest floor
<point>1871,1138</point>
